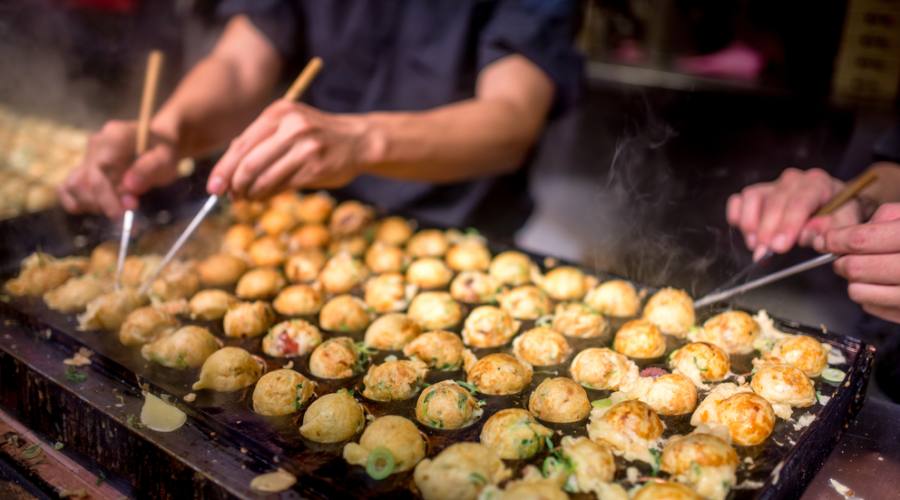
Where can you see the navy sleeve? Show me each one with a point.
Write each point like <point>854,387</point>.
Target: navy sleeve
<point>277,20</point>
<point>542,31</point>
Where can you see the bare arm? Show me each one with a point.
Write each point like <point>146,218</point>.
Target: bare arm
<point>292,145</point>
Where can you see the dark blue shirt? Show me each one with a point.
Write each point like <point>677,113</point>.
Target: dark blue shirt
<point>408,55</point>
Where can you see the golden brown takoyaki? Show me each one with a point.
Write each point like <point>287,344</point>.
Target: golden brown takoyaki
<point>542,346</point>
<point>395,380</point>
<point>344,313</point>
<point>559,400</point>
<point>291,338</point>
<point>435,311</point>
<point>514,434</point>
<point>248,319</point>
<point>439,349</point>
<point>391,332</point>
<point>616,298</point>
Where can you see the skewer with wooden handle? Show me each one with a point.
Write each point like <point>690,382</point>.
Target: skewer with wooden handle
<point>294,92</point>
<point>148,97</point>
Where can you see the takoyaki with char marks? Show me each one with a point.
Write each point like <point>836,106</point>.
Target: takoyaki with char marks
<point>460,472</point>
<point>391,332</point>
<point>221,270</point>
<point>669,394</point>
<point>291,338</point>
<point>525,302</point>
<point>333,418</point>
<point>733,331</point>
<point>336,358</point>
<point>616,298</point>
<point>435,311</point>
<point>248,319</point>
<point>470,254</point>
<point>395,380</point>
<point>603,369</point>
<point>512,268</point>
<point>186,347</point>
<point>499,374</point>
<point>342,273</point>
<point>428,243</point>
<point>672,311</point>
<point>701,362</point>
<point>344,313</point>
<point>349,218</point>
<point>559,400</point>
<point>514,434</point>
<point>640,339</point>
<point>542,346</point>
<point>282,392</point>
<point>474,287</point>
<point>388,292</point>
<point>390,439</point>
<point>447,405</point>
<point>631,428</point>
<point>428,273</point>
<point>304,266</point>
<point>800,351</point>
<point>748,418</point>
<point>439,349</point>
<point>489,326</point>
<point>574,319</point>
<point>783,385</point>
<point>229,369</point>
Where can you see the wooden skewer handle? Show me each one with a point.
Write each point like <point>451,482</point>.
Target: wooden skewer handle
<point>151,81</point>
<point>303,80</point>
<point>849,191</point>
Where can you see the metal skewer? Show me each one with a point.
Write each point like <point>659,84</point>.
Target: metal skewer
<point>127,221</point>
<point>765,280</point>
<point>293,93</point>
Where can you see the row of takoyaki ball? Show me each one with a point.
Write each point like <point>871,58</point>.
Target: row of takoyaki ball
<point>626,424</point>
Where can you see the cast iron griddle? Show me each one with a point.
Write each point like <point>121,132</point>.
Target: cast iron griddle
<point>794,455</point>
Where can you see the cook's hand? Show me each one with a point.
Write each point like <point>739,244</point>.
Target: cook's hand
<point>871,261</point>
<point>778,215</point>
<point>110,179</point>
<point>292,145</point>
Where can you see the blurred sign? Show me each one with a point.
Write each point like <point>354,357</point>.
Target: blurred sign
<point>867,69</point>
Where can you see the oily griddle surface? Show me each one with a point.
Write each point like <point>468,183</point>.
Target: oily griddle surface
<point>275,441</point>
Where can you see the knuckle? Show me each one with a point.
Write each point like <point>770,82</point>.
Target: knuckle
<point>790,174</point>
<point>851,268</point>
<point>857,239</point>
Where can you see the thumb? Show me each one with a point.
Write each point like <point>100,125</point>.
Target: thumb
<point>152,169</point>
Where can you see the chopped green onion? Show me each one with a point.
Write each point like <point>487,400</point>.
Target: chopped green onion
<point>656,462</point>
<point>380,463</point>
<point>602,403</point>
<point>833,375</point>
<point>75,375</point>
<point>467,385</point>
<point>477,479</point>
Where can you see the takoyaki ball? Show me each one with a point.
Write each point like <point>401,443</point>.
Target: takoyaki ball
<point>525,302</point>
<point>665,490</point>
<point>447,405</point>
<point>670,394</point>
<point>631,428</point>
<point>138,268</point>
<point>304,266</point>
<point>574,319</point>
<point>210,305</point>
<point>267,251</point>
<point>344,313</point>
<point>389,438</point>
<point>616,298</point>
<point>391,332</point>
<point>559,400</point>
<point>514,434</point>
<point>459,472</point>
<point>342,273</point>
<point>333,418</point>
<point>565,283</point>
<point>542,346</point>
<point>238,238</point>
<point>282,392</point>
<point>108,311</point>
<point>186,347</point>
<point>733,331</point>
<point>511,268</point>
<point>531,486</point>
<point>591,463</point>
<point>435,311</point>
<point>800,351</point>
<point>146,324</point>
<point>393,230</point>
<point>336,358</point>
<point>248,319</point>
<point>274,222</point>
<point>315,208</point>
<point>783,384</point>
<point>349,218</point>
<point>246,210</point>
<point>428,243</point>
<point>75,294</point>
<point>299,300</point>
<point>429,272</point>
<point>474,287</point>
<point>396,380</point>
<point>286,201</point>
<point>260,283</point>
<point>104,258</point>
<point>309,237</point>
<point>489,326</point>
<point>354,245</point>
<point>388,292</point>
<point>469,254</point>
<point>221,270</point>
<point>42,272</point>
<point>601,368</point>
<point>382,258</point>
<point>640,339</point>
<point>749,418</point>
<point>291,338</point>
<point>700,362</point>
<point>179,280</point>
<point>229,369</point>
<point>671,310</point>
<point>704,461</point>
<point>499,374</point>
<point>441,350</point>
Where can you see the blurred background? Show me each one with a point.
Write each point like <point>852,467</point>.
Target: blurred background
<point>684,103</point>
